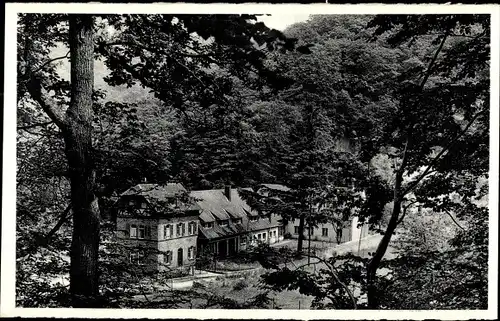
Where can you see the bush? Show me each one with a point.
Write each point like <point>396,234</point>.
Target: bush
<point>198,285</point>
<point>240,285</point>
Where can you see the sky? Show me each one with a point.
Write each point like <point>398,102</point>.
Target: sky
<point>280,22</point>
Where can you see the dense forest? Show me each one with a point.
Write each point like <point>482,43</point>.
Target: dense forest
<point>395,106</point>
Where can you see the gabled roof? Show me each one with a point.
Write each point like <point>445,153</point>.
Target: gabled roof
<point>158,195</point>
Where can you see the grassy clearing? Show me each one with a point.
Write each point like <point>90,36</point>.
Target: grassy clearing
<point>233,288</point>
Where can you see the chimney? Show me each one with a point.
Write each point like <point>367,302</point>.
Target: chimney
<point>227,192</point>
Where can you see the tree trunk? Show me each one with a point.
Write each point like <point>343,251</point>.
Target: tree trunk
<point>300,241</point>
<point>77,136</point>
<point>374,263</point>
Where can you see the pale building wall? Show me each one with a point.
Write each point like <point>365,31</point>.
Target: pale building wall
<point>318,233</point>
<point>271,236</point>
<point>156,242</point>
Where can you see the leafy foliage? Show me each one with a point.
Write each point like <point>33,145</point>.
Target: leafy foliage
<point>350,124</point>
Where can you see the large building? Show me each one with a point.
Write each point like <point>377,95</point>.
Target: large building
<point>159,226</point>
<point>165,227</point>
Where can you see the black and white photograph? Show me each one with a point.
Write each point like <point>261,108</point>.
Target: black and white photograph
<point>295,159</point>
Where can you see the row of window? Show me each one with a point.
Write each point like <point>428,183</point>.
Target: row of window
<point>140,231</point>
<point>263,236</point>
<point>180,229</point>
<point>226,222</point>
<point>139,257</point>
<point>324,231</point>
<point>168,255</point>
<point>260,236</point>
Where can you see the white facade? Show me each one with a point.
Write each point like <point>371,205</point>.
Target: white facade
<point>270,236</point>
<point>327,232</point>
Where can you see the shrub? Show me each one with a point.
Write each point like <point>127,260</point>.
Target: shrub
<point>240,285</point>
<point>198,285</point>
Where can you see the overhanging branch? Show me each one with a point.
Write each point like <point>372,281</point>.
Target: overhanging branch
<point>41,96</point>
<point>51,61</point>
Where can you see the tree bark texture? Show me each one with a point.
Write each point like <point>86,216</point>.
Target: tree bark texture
<point>77,136</point>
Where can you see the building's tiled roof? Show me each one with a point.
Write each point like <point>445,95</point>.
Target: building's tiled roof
<point>262,224</point>
<point>215,205</point>
<point>278,187</point>
<point>157,196</point>
<point>155,191</point>
<point>218,232</point>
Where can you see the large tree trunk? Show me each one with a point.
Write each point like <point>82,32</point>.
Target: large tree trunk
<point>78,139</point>
<point>373,293</point>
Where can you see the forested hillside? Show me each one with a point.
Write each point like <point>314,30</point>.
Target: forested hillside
<point>385,117</point>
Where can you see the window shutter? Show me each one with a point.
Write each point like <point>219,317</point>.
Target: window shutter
<point>148,232</point>
<point>127,229</point>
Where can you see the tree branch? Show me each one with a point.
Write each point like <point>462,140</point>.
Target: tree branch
<point>64,216</point>
<point>404,161</point>
<point>453,219</point>
<point>335,275</point>
<point>51,61</point>
<point>41,96</point>
<point>433,61</point>
<point>404,211</point>
<point>441,153</point>
<point>34,125</point>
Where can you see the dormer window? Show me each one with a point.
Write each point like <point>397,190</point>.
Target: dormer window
<point>254,218</point>
<point>223,223</point>
<point>237,221</point>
